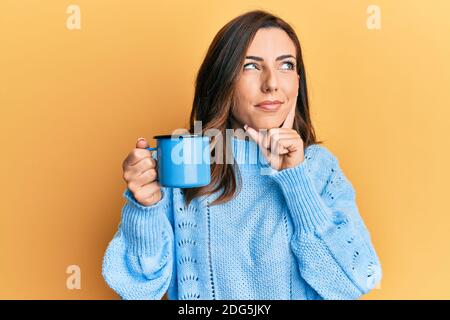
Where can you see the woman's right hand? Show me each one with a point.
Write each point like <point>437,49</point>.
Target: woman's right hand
<point>139,172</point>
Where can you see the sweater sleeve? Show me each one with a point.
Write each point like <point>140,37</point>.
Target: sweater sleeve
<point>138,261</point>
<point>330,241</point>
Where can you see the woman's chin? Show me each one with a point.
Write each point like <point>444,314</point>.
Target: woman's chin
<point>266,126</point>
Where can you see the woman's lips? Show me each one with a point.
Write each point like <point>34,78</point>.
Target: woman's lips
<point>269,107</point>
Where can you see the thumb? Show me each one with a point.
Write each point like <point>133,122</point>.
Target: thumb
<point>142,143</point>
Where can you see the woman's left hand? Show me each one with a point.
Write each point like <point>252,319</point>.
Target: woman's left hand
<point>282,147</point>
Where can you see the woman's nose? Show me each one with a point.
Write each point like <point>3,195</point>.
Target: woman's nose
<point>270,81</point>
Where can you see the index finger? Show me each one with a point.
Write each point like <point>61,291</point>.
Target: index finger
<point>137,155</point>
<point>289,121</point>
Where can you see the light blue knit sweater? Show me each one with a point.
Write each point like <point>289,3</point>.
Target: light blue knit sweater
<point>290,234</point>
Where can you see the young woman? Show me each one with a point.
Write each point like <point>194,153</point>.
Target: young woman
<point>290,232</point>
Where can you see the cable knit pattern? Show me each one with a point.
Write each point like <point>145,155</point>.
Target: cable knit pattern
<point>290,234</point>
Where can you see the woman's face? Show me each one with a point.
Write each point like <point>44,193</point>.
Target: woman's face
<point>268,73</point>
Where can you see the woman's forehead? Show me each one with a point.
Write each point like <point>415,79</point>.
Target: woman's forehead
<point>271,42</point>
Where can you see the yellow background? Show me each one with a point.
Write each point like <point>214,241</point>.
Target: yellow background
<point>73,103</point>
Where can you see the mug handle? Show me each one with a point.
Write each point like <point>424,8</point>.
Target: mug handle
<point>152,149</point>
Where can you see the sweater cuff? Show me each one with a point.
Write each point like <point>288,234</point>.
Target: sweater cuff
<point>308,211</point>
<point>163,202</point>
<point>143,226</point>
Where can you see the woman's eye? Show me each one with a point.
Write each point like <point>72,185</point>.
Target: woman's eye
<point>292,66</point>
<point>249,64</point>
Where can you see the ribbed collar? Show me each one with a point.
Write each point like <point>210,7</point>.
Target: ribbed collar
<point>248,155</point>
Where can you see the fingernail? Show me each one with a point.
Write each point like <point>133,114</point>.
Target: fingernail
<point>140,139</point>
<point>245,127</point>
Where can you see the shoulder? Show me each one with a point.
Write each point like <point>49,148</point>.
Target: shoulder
<point>321,156</point>
<point>323,166</point>
<point>319,163</point>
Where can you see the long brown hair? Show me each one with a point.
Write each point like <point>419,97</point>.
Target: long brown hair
<point>215,88</point>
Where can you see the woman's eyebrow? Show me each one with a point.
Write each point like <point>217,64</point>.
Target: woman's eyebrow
<point>279,58</point>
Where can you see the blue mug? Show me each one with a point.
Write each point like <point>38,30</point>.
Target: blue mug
<point>183,160</point>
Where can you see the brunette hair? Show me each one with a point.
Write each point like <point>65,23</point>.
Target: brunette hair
<point>215,88</point>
